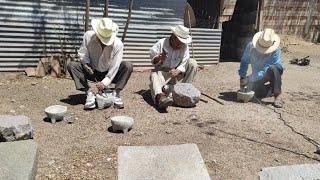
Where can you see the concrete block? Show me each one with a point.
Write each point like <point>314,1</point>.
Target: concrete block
<point>18,160</point>
<point>161,162</point>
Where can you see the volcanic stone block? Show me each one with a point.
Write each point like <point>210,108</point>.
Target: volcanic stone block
<point>15,128</point>
<point>185,95</point>
<point>161,162</point>
<point>18,160</point>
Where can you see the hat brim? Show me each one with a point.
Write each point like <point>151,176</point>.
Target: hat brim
<point>265,50</point>
<point>105,40</point>
<point>183,40</point>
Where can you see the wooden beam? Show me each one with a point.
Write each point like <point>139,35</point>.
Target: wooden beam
<point>128,20</point>
<point>86,24</point>
<point>106,8</point>
<point>259,20</point>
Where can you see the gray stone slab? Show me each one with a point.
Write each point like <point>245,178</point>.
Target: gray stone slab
<point>293,172</point>
<point>18,160</point>
<point>174,162</point>
<point>14,128</point>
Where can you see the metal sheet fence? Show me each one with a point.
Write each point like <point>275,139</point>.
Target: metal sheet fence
<point>30,30</point>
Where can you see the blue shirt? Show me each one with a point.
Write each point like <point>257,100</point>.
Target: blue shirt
<point>260,63</point>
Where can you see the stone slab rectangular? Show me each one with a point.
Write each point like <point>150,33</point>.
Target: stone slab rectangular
<point>18,160</point>
<point>293,172</point>
<point>173,162</point>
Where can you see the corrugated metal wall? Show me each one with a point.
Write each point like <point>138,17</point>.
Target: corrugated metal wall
<point>30,30</point>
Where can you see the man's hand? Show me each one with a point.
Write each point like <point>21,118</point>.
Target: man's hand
<point>161,57</point>
<point>243,82</point>
<point>100,86</point>
<point>174,72</point>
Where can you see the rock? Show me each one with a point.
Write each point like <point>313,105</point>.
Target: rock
<point>15,128</point>
<point>18,160</point>
<point>104,101</point>
<point>109,159</point>
<point>122,123</point>
<point>34,83</point>
<point>193,117</point>
<point>12,100</point>
<point>51,162</point>
<point>12,111</point>
<point>185,95</point>
<point>31,72</point>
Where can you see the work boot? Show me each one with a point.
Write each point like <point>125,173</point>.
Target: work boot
<point>162,101</point>
<point>90,101</point>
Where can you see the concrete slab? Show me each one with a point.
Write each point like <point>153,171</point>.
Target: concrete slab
<point>15,128</point>
<point>174,162</point>
<point>18,160</point>
<point>293,172</point>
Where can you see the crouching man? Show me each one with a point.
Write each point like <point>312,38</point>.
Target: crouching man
<point>172,62</point>
<point>264,55</point>
<point>101,61</point>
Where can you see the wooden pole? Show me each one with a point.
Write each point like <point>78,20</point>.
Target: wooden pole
<point>106,8</point>
<point>308,22</point>
<point>128,20</point>
<point>260,15</point>
<point>86,25</point>
<point>191,33</point>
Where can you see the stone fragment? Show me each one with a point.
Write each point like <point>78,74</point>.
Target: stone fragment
<point>104,101</point>
<point>15,128</point>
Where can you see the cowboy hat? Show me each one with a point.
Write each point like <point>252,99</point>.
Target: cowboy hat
<point>105,29</point>
<point>266,41</point>
<point>182,34</point>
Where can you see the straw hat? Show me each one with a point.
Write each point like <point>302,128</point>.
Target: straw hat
<point>182,34</point>
<point>266,41</point>
<point>105,29</point>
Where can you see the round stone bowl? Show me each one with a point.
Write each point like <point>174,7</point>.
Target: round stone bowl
<point>121,123</point>
<point>245,96</point>
<point>55,112</point>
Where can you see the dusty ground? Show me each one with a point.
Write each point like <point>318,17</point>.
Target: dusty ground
<point>236,140</point>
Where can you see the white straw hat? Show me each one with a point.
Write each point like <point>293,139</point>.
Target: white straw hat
<point>182,34</point>
<point>266,41</point>
<point>105,29</point>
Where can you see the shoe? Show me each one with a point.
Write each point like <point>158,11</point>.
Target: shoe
<point>162,101</point>
<point>90,101</point>
<point>117,101</point>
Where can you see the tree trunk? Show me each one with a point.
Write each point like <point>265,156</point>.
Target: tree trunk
<point>128,20</point>
<point>106,8</point>
<point>86,25</point>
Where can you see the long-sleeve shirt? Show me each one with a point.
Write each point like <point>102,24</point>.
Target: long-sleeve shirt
<point>107,59</point>
<point>260,63</point>
<point>176,59</point>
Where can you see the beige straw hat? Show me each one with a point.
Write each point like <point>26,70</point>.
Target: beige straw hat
<point>105,29</point>
<point>266,41</point>
<point>182,34</point>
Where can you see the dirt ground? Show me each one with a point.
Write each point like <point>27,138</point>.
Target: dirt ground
<point>236,140</point>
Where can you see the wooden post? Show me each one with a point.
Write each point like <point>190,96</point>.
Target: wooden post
<point>221,9</point>
<point>128,20</point>
<point>106,8</point>
<point>308,22</point>
<point>260,15</point>
<point>86,25</point>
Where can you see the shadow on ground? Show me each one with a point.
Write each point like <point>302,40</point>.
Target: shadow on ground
<point>146,95</point>
<point>74,99</point>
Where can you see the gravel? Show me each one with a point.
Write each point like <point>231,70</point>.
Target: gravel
<point>236,140</point>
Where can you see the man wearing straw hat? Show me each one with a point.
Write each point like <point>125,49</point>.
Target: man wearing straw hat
<point>101,61</point>
<point>264,55</point>
<point>172,62</point>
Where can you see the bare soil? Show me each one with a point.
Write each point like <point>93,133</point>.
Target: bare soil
<point>236,140</point>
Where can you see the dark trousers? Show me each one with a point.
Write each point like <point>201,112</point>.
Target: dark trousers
<point>273,77</point>
<point>80,75</point>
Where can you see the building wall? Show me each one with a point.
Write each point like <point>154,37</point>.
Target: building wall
<point>292,17</point>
